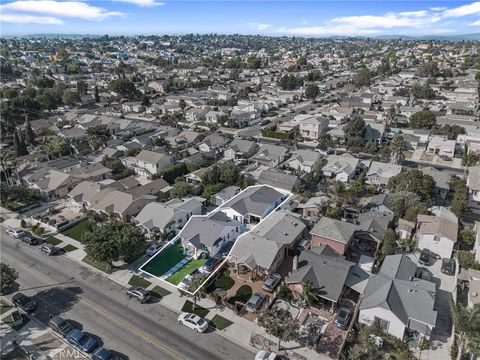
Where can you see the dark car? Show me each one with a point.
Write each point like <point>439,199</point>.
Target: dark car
<point>29,239</point>
<point>81,341</point>
<point>139,293</point>
<point>271,282</point>
<point>104,354</point>
<point>343,318</point>
<point>255,302</point>
<point>60,325</point>
<point>50,249</point>
<point>24,302</point>
<point>448,266</point>
<point>424,257</point>
<point>210,265</point>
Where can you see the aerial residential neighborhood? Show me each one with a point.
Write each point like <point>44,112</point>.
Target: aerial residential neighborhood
<point>178,187</point>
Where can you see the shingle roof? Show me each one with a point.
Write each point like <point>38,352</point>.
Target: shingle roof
<point>337,230</point>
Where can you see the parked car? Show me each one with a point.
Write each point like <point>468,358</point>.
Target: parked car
<point>104,354</point>
<point>153,249</point>
<point>266,355</point>
<point>343,318</point>
<point>255,302</point>
<point>50,249</point>
<point>139,293</point>
<point>29,239</point>
<point>448,266</point>
<point>81,341</point>
<point>193,321</point>
<point>24,302</point>
<point>424,258</point>
<point>264,122</point>
<point>60,325</point>
<point>303,245</point>
<point>271,282</point>
<point>210,265</point>
<point>16,233</point>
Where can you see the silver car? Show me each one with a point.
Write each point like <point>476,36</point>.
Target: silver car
<point>255,302</point>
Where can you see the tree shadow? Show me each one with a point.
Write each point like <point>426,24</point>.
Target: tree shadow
<point>55,301</point>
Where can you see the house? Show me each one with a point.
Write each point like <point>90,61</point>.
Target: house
<point>405,229</point>
<point>437,234</point>
<point>372,226</point>
<point>50,183</point>
<point>240,149</point>
<point>224,195</point>
<point>341,167</point>
<point>442,180</point>
<point>379,173</point>
<point>440,146</point>
<point>93,172</point>
<point>205,236</point>
<point>196,114</point>
<point>397,300</point>
<point>253,204</point>
<point>214,144</point>
<point>167,218</point>
<point>378,203</point>
<point>329,273</point>
<point>304,161</point>
<point>310,210</point>
<point>269,155</point>
<point>263,249</point>
<point>81,195</point>
<point>148,163</point>
<point>278,179</point>
<point>473,183</point>
<point>311,126</point>
<point>334,233</point>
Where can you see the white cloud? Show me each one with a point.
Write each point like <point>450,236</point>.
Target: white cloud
<point>464,10</point>
<point>438,8</point>
<point>142,3</point>
<point>31,19</point>
<point>33,11</point>
<point>476,23</point>
<point>327,31</point>
<point>260,27</point>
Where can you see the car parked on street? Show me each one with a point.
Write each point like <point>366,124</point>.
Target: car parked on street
<point>16,233</point>
<point>81,341</point>
<point>104,354</point>
<point>60,325</point>
<point>29,239</point>
<point>255,302</point>
<point>153,249</point>
<point>24,302</point>
<point>343,318</point>
<point>267,355</point>
<point>50,249</point>
<point>139,293</point>
<point>448,267</point>
<point>193,321</point>
<point>210,265</point>
<point>271,282</point>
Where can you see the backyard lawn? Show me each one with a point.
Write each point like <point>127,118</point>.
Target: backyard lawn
<point>76,231</point>
<point>186,270</point>
<point>200,311</point>
<point>220,323</point>
<point>165,260</point>
<point>138,281</point>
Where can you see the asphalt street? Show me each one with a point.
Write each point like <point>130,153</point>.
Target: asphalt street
<point>100,307</point>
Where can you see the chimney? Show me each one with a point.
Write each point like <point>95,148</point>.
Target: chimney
<point>295,263</point>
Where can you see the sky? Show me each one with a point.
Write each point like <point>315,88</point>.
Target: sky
<point>268,17</point>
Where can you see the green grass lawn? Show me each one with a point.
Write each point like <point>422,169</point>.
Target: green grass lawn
<point>53,241</point>
<point>164,261</point>
<point>186,270</point>
<point>138,281</point>
<point>102,266</point>
<point>220,323</point>
<point>159,292</point>
<point>69,247</point>
<point>8,320</point>
<point>200,311</point>
<point>243,294</point>
<point>76,232</point>
<point>224,282</point>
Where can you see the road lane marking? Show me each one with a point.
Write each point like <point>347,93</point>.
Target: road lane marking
<point>127,325</point>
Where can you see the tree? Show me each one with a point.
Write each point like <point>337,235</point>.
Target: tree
<point>97,96</point>
<point>311,91</point>
<point>182,104</point>
<point>70,98</point>
<point>29,134</point>
<point>8,275</point>
<point>145,100</point>
<point>19,145</point>
<point>467,236</point>
<point>124,88</point>
<point>57,147</point>
<point>400,201</point>
<point>414,181</point>
<point>194,286</point>
<point>460,199</point>
<point>362,77</point>
<point>467,326</point>
<point>279,323</point>
<point>423,120</point>
<point>180,189</point>
<point>309,293</point>
<point>397,147</point>
<point>428,69</point>
<point>81,88</point>
<point>412,212</point>
<point>388,247</point>
<point>355,131</point>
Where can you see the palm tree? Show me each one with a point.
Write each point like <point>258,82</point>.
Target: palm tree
<point>467,326</point>
<point>309,293</point>
<point>194,287</point>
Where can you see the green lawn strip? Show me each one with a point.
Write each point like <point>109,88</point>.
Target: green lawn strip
<point>9,321</point>
<point>159,292</point>
<point>69,247</point>
<point>200,311</point>
<point>165,260</point>
<point>138,281</point>
<point>76,231</point>
<point>53,241</point>
<point>243,294</point>
<point>185,270</point>
<point>4,306</point>
<point>220,323</point>
<point>102,266</point>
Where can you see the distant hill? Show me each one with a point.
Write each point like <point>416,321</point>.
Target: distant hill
<point>457,37</point>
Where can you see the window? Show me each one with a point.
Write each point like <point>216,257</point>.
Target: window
<point>384,324</point>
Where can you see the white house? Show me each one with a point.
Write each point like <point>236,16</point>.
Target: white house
<point>148,163</point>
<point>437,234</point>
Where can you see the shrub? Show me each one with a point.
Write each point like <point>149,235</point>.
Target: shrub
<point>23,223</point>
<point>285,293</point>
<point>39,230</point>
<point>466,259</point>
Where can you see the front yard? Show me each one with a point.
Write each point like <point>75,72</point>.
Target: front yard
<point>164,260</point>
<point>76,231</point>
<point>187,269</point>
